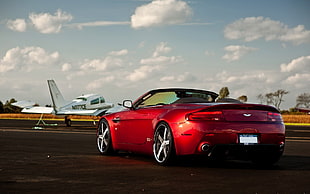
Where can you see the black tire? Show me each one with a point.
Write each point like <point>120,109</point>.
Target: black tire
<point>104,139</point>
<point>163,146</point>
<point>68,121</point>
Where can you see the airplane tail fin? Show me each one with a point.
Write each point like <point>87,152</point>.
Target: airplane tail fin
<point>57,98</point>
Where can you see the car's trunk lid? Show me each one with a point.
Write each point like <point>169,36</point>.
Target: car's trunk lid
<point>245,115</point>
<point>238,112</point>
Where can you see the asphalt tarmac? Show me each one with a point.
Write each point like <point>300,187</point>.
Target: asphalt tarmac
<point>59,159</point>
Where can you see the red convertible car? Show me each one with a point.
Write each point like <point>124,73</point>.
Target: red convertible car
<point>174,122</point>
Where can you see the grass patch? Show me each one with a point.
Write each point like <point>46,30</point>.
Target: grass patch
<point>296,119</point>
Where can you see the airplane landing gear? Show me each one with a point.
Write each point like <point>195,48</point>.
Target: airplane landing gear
<point>67,121</point>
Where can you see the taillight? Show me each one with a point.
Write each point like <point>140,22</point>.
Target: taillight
<point>274,117</point>
<point>206,116</point>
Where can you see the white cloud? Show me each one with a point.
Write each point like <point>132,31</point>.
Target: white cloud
<point>47,23</point>
<point>299,80</point>
<point>235,52</point>
<point>163,60</point>
<point>162,48</point>
<point>76,74</point>
<point>111,64</point>
<point>169,78</point>
<point>158,58</point>
<point>141,44</point>
<point>99,83</point>
<point>66,67</point>
<point>186,77</point>
<point>161,12</point>
<point>101,64</point>
<point>209,53</point>
<point>119,53</point>
<point>155,63</point>
<point>297,35</point>
<point>18,25</point>
<point>301,64</point>
<point>111,61</point>
<point>27,58</point>
<point>244,78</point>
<point>143,72</point>
<point>253,28</point>
<point>98,23</point>
<point>297,72</point>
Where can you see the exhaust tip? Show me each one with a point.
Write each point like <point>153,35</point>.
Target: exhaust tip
<point>205,147</point>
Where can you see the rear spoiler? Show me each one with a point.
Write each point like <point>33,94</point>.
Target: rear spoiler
<point>230,106</point>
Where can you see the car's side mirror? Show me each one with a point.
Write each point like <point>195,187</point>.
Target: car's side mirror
<point>127,104</point>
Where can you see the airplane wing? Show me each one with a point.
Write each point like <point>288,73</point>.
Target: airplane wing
<point>29,107</point>
<point>92,112</point>
<point>24,104</point>
<point>39,109</point>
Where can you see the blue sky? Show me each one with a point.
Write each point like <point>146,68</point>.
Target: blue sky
<point>123,48</point>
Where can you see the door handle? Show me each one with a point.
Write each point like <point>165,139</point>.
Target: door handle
<point>116,120</point>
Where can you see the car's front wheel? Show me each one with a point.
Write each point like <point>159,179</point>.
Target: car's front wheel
<point>104,140</point>
<point>163,146</point>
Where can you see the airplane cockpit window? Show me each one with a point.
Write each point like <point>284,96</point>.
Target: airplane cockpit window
<point>102,100</point>
<point>95,101</point>
<point>82,98</point>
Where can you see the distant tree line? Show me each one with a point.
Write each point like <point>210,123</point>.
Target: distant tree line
<point>8,107</point>
<point>276,98</point>
<point>303,100</point>
<point>273,98</point>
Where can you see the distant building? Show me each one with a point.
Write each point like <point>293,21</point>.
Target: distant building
<point>306,110</point>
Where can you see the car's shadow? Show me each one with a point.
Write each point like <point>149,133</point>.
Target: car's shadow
<point>286,162</point>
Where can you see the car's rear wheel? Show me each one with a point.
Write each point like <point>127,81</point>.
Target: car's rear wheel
<point>104,140</point>
<point>163,147</point>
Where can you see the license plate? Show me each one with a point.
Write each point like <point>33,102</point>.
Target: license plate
<point>247,139</point>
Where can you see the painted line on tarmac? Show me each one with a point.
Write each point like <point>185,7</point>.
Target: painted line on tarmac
<point>298,140</point>
<point>298,124</point>
<point>49,131</point>
<point>308,138</point>
<point>300,131</point>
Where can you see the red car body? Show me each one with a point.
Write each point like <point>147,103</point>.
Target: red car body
<point>175,122</point>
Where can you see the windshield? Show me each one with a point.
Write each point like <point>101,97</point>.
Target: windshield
<point>174,97</point>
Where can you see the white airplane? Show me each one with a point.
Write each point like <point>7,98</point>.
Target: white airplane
<point>90,104</point>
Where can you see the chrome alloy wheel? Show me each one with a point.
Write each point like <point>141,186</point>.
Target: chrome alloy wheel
<point>104,143</point>
<point>163,144</point>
